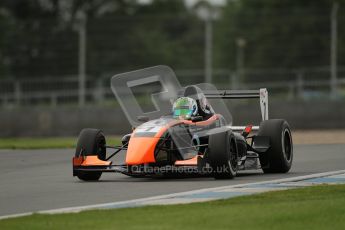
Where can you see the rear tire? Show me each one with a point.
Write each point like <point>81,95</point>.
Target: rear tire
<point>222,153</point>
<point>91,142</point>
<point>278,158</point>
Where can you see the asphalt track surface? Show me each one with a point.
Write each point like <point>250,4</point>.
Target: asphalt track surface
<point>33,180</point>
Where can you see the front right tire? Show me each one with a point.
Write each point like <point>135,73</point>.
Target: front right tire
<point>222,153</point>
<point>91,142</point>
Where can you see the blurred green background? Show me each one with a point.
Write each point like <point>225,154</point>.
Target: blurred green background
<point>39,38</point>
<point>59,55</point>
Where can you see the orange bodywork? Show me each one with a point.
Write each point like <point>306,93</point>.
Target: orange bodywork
<point>89,161</point>
<point>141,149</point>
<point>192,161</point>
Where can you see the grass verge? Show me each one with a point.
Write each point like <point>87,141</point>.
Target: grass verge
<point>318,207</point>
<point>46,142</point>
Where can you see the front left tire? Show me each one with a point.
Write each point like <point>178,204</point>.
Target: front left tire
<point>222,153</point>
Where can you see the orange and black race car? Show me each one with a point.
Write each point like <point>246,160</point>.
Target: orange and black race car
<point>191,138</point>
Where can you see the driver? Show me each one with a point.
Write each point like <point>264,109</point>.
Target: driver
<point>185,108</point>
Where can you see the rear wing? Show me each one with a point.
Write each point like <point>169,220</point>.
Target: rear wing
<point>262,94</point>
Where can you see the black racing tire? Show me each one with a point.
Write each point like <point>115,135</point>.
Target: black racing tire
<point>91,142</point>
<point>222,153</point>
<point>278,158</point>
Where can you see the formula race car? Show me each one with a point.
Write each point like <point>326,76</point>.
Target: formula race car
<point>189,131</point>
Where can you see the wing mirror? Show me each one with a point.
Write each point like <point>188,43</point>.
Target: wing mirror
<point>125,139</point>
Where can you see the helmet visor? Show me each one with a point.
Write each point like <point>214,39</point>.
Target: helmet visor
<point>184,113</point>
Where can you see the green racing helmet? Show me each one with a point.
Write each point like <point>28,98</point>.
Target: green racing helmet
<point>185,108</point>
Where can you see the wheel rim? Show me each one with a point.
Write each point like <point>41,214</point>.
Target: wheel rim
<point>287,144</point>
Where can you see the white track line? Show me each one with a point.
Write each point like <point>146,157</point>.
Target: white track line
<point>129,202</point>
